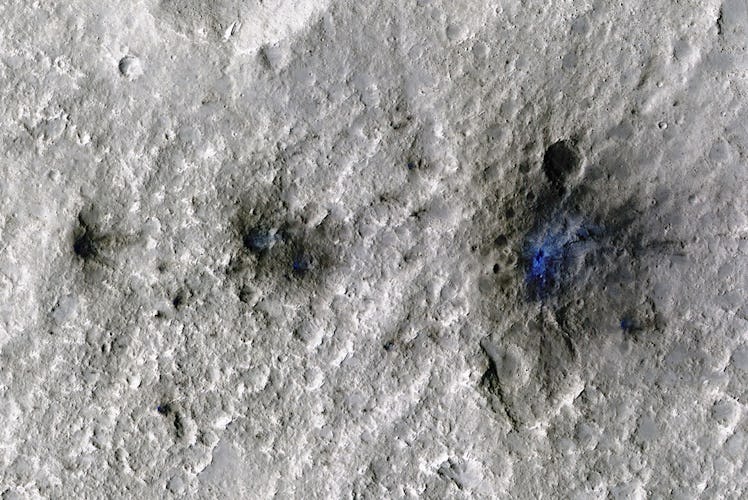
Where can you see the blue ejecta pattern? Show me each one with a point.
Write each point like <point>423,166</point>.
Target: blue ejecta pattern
<point>551,253</point>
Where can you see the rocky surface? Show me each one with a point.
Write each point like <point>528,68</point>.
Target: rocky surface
<point>417,249</point>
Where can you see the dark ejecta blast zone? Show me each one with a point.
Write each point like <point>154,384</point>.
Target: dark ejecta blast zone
<point>586,260</point>
<point>587,257</point>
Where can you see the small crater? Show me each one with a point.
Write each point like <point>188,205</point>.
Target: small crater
<point>273,56</point>
<point>248,295</point>
<point>559,163</point>
<point>258,227</point>
<point>130,67</point>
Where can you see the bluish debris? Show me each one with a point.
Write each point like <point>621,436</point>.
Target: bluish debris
<point>628,325</point>
<point>258,241</point>
<point>545,259</point>
<point>551,254</point>
<point>302,262</point>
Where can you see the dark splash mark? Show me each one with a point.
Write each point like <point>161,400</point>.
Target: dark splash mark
<point>167,410</point>
<point>164,409</point>
<point>85,246</point>
<point>179,299</point>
